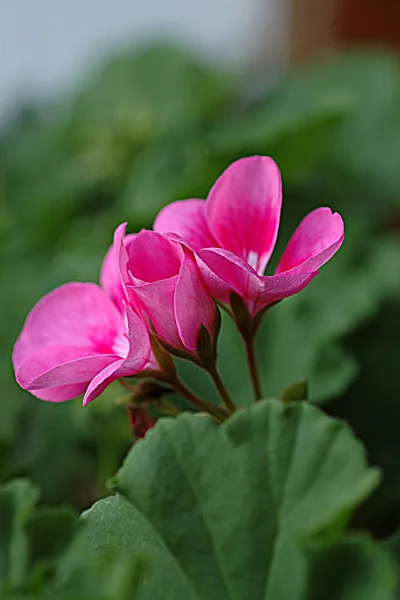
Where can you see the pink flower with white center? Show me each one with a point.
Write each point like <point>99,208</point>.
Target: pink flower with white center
<point>75,341</point>
<point>234,233</point>
<point>162,282</point>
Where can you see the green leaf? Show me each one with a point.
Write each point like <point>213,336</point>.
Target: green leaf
<point>43,555</point>
<point>50,530</point>
<point>31,539</point>
<point>372,408</point>
<point>352,569</point>
<point>291,124</point>
<point>226,512</point>
<point>366,84</point>
<point>17,500</point>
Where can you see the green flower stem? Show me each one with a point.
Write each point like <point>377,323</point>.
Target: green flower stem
<point>177,384</point>
<point>201,404</point>
<point>223,392</point>
<point>253,368</point>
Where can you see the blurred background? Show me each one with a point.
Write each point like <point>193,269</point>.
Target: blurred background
<point>108,111</point>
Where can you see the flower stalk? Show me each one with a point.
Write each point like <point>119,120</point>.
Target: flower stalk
<point>253,367</point>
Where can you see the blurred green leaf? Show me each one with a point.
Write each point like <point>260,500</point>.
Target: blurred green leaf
<point>352,569</point>
<point>371,407</point>
<point>43,556</point>
<point>17,500</point>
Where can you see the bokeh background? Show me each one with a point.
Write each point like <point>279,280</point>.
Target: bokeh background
<point>110,110</point>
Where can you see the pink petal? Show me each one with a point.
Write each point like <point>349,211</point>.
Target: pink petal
<point>110,275</point>
<point>60,394</point>
<point>157,299</point>
<point>317,238</point>
<point>55,366</point>
<point>154,257</point>
<point>187,219</point>
<point>193,305</point>
<point>223,273</point>
<point>69,336</point>
<point>140,354</point>
<point>101,381</point>
<point>76,315</point>
<point>243,209</point>
<point>139,358</point>
<point>277,287</point>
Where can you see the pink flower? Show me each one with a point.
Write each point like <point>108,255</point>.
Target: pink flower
<point>234,233</point>
<point>75,341</point>
<point>110,276</point>
<point>162,281</point>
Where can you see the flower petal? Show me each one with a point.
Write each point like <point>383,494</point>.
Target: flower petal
<point>187,219</point>
<point>139,358</point>
<point>223,273</point>
<point>81,370</point>
<point>317,238</point>
<point>69,336</point>
<point>140,355</point>
<point>277,287</point>
<point>76,315</point>
<point>46,376</point>
<point>193,305</point>
<point>110,275</point>
<point>153,257</point>
<point>243,209</point>
<point>60,394</point>
<point>157,299</point>
<point>101,381</point>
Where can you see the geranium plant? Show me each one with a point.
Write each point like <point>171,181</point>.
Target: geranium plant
<point>223,502</point>
<point>161,291</point>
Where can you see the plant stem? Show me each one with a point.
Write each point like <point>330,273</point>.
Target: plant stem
<point>252,362</point>
<point>201,404</point>
<point>177,384</point>
<point>223,392</point>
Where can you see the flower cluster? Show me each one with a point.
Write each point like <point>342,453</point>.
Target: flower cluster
<point>160,289</point>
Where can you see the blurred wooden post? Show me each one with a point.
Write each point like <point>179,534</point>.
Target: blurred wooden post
<point>320,25</point>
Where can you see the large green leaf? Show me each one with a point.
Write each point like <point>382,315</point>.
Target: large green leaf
<point>228,512</point>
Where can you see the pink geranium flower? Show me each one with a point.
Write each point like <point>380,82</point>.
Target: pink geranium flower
<point>110,276</point>
<point>161,280</point>
<point>75,341</point>
<point>234,233</point>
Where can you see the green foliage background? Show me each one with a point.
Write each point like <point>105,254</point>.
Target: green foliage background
<point>153,125</point>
